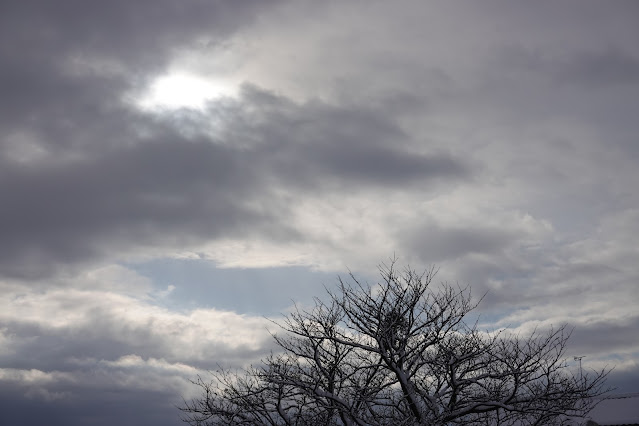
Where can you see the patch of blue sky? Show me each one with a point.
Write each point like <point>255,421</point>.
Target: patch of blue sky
<point>195,283</point>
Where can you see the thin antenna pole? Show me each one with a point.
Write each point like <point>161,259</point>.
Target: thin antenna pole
<point>578,358</point>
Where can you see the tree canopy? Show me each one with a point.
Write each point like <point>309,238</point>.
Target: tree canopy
<point>400,352</point>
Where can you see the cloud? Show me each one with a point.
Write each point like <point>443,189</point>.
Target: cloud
<point>94,352</point>
<point>496,141</point>
<point>112,179</point>
<point>440,244</point>
<point>56,325</point>
<point>167,188</point>
<point>72,61</point>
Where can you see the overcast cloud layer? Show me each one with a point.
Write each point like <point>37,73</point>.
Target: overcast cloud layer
<point>146,229</point>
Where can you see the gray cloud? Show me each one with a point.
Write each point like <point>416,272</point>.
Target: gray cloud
<point>69,62</point>
<point>603,68</point>
<point>167,186</point>
<point>95,356</point>
<point>495,140</point>
<point>105,407</point>
<point>59,211</point>
<point>434,243</point>
<point>603,335</point>
<point>342,143</point>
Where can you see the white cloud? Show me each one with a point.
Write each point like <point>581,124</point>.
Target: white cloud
<point>99,314</point>
<point>33,376</point>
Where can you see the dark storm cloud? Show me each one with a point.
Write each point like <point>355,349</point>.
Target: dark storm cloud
<point>125,189</point>
<point>600,335</point>
<point>130,31</point>
<point>82,173</point>
<point>55,212</point>
<point>596,339</point>
<point>104,408</point>
<point>70,59</point>
<point>314,143</point>
<point>64,68</point>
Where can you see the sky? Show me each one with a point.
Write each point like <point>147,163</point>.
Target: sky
<point>173,174</point>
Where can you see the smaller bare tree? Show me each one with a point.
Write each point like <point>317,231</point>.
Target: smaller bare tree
<point>399,353</point>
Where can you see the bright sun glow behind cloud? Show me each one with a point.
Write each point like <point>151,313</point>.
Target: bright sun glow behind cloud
<point>183,90</point>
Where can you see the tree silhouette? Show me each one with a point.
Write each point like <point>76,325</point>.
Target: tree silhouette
<point>399,353</point>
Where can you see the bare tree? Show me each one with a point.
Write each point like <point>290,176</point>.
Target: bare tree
<point>399,353</point>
